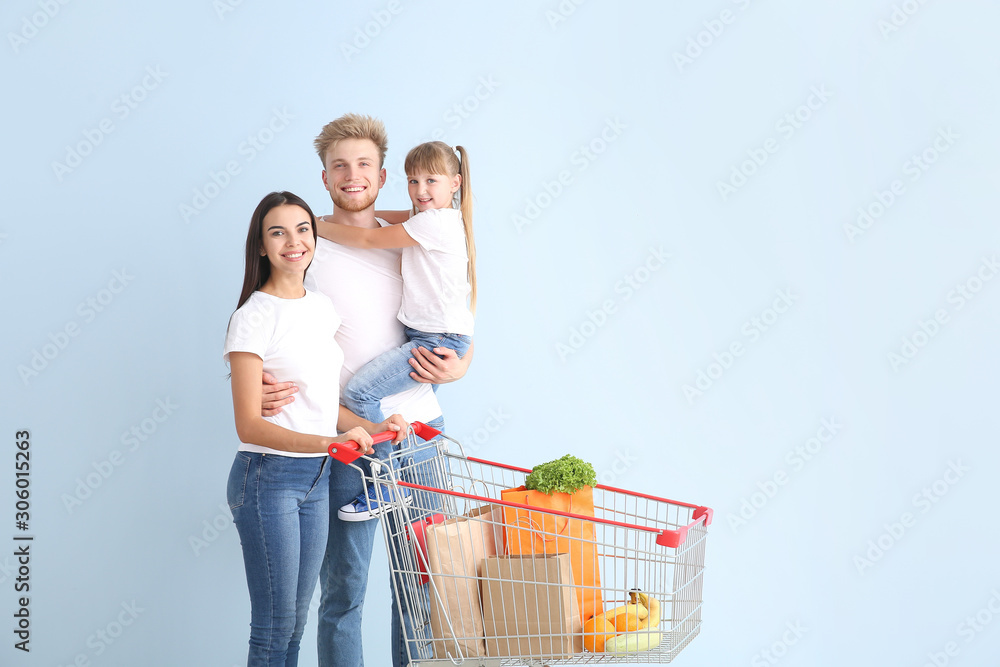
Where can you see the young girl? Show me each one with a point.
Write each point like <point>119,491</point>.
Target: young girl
<point>439,276</point>
<point>278,486</point>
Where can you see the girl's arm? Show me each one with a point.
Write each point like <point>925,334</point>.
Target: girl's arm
<point>347,419</point>
<point>359,237</point>
<point>254,429</point>
<point>394,217</point>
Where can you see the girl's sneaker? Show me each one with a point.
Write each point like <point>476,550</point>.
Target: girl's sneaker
<point>368,506</point>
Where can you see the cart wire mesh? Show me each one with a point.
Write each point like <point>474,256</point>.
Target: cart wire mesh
<point>488,580</point>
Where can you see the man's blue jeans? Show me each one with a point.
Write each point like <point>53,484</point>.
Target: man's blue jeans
<point>281,509</point>
<point>344,574</point>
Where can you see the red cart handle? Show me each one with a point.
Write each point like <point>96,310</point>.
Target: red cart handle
<point>349,451</point>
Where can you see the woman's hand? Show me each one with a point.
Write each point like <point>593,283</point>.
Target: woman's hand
<point>394,423</point>
<point>360,436</point>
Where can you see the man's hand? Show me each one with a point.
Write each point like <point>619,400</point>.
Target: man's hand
<point>440,366</point>
<point>394,423</point>
<point>274,395</point>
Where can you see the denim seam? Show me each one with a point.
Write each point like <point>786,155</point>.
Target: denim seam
<point>316,481</point>
<point>267,561</point>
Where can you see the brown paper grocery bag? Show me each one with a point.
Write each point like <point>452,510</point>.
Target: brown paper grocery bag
<point>546,533</point>
<point>455,550</point>
<point>530,607</point>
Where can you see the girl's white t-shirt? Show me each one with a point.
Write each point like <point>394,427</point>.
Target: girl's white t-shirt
<point>435,274</point>
<point>295,339</point>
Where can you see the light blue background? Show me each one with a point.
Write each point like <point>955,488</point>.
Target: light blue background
<point>556,83</point>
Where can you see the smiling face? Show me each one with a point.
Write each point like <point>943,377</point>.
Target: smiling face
<point>429,191</point>
<point>352,175</point>
<point>287,241</point>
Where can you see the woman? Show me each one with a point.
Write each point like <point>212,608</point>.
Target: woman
<point>278,486</point>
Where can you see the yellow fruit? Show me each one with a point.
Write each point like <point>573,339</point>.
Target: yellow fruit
<point>626,622</point>
<point>631,642</point>
<point>596,632</point>
<point>653,620</point>
<point>632,608</point>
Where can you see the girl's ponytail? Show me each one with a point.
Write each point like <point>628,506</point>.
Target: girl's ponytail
<point>465,204</point>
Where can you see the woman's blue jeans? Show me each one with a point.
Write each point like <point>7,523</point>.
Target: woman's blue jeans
<point>281,509</point>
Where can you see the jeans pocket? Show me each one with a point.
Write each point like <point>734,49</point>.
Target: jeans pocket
<point>237,486</point>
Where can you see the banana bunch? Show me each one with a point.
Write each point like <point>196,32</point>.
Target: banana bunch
<point>625,629</point>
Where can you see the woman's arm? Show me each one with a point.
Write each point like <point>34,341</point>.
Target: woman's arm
<point>254,429</point>
<point>394,217</point>
<point>440,366</point>
<point>360,237</point>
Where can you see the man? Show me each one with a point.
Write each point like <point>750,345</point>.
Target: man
<point>366,288</point>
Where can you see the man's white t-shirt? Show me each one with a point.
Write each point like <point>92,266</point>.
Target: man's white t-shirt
<point>296,339</point>
<point>435,274</point>
<point>366,288</point>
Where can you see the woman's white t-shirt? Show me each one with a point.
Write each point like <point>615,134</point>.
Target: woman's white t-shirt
<point>435,274</point>
<point>295,339</point>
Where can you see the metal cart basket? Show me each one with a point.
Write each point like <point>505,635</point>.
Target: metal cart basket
<point>491,581</point>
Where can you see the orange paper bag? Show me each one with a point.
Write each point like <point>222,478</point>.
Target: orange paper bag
<point>530,532</point>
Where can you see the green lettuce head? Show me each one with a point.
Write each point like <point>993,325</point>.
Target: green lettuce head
<point>566,475</point>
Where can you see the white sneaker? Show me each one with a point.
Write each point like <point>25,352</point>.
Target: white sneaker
<point>368,506</point>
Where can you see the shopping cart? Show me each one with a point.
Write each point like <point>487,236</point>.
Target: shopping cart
<point>489,581</point>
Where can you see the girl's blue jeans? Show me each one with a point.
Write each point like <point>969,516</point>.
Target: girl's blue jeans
<point>389,374</point>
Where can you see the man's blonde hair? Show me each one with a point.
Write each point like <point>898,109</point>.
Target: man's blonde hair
<point>352,126</point>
